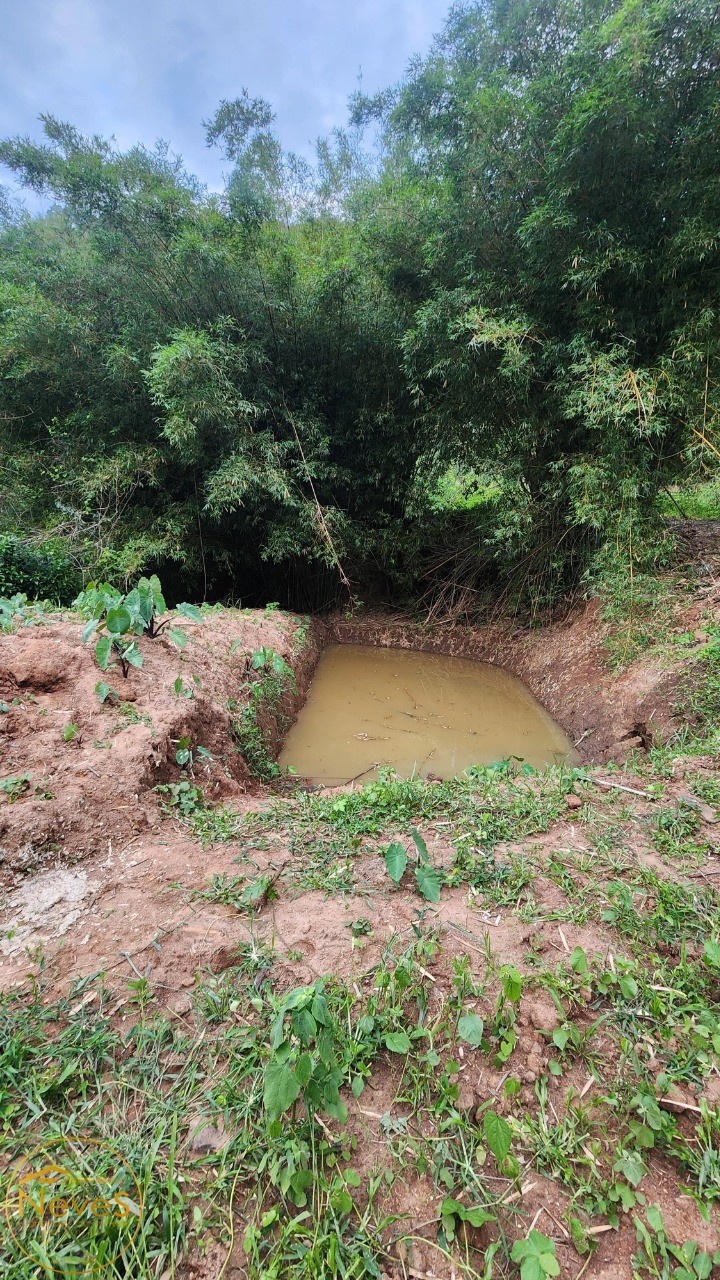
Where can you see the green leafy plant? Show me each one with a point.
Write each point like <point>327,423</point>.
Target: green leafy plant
<point>42,571</point>
<point>498,1135</point>
<point>104,692</point>
<point>503,1026</point>
<point>303,1056</point>
<point>268,660</point>
<point>184,797</point>
<point>70,732</point>
<point>660,1260</point>
<point>120,618</point>
<point>360,928</point>
<point>238,892</point>
<point>182,690</point>
<point>15,787</point>
<point>470,1029</point>
<point>536,1255</point>
<point>187,756</point>
<point>453,1213</point>
<point>427,878</point>
<point>263,717</point>
<point>16,609</point>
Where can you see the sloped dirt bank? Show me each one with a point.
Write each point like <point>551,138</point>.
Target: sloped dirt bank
<point>145,959</point>
<point>565,664</point>
<point>79,774</point>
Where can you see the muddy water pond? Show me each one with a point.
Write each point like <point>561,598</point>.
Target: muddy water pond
<point>420,713</point>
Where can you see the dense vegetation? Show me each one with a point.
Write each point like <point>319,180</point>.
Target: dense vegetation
<point>471,361</point>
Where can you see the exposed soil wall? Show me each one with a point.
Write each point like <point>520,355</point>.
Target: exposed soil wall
<point>75,796</point>
<point>72,797</point>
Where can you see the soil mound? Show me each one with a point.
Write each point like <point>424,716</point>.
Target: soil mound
<point>79,774</point>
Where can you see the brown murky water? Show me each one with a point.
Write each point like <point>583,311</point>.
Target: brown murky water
<point>420,713</point>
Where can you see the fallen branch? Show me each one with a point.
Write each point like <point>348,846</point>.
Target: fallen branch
<point>681,1106</point>
<point>601,782</point>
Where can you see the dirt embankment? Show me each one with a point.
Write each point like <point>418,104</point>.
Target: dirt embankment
<point>566,665</point>
<point>120,890</point>
<point>79,775</point>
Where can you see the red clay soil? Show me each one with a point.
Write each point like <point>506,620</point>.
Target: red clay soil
<point>95,791</point>
<point>98,879</point>
<point>131,910</point>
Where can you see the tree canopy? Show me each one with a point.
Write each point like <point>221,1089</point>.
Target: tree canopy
<point>264,392</point>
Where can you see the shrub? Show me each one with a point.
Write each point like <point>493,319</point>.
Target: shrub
<point>40,572</point>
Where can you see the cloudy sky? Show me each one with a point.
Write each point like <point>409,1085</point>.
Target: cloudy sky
<point>147,69</point>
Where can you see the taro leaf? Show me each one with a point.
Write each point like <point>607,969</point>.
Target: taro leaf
<point>190,611</point>
<point>140,607</point>
<point>303,1069</point>
<point>498,1135</point>
<point>103,649</point>
<point>712,952</point>
<point>102,690</point>
<point>178,637</point>
<point>159,599</point>
<point>397,1042</point>
<point>118,620</point>
<point>281,1089</point>
<point>396,861</point>
<point>133,655</point>
<point>419,843</point>
<point>428,882</point>
<point>88,629</point>
<point>470,1029</point>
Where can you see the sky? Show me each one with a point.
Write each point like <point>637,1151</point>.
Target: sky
<point>140,70</point>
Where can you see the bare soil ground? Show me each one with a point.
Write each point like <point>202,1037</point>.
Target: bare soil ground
<point>97,789</point>
<point>105,888</point>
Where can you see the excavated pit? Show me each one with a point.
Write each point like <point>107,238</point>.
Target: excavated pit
<point>421,714</point>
